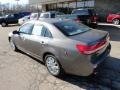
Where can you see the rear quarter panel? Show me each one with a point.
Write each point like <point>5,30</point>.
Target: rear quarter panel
<point>67,54</point>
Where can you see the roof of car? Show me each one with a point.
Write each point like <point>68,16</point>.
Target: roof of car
<point>50,12</point>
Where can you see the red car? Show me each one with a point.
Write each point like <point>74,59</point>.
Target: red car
<point>114,18</point>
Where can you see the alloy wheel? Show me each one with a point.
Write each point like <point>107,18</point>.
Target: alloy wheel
<point>116,21</point>
<point>52,65</point>
<point>3,24</point>
<point>12,45</point>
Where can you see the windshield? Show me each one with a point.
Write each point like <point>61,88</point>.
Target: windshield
<point>70,28</point>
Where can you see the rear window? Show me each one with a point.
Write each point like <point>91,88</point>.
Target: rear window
<point>70,28</point>
<point>81,12</point>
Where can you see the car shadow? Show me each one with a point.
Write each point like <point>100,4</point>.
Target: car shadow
<point>31,57</point>
<point>113,30</point>
<point>96,81</point>
<point>103,77</point>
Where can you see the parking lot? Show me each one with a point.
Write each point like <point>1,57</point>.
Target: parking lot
<point>19,71</point>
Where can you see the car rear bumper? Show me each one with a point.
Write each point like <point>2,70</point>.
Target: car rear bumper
<point>85,65</point>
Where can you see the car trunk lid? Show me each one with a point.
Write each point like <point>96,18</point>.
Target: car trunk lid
<point>91,41</point>
<point>90,37</point>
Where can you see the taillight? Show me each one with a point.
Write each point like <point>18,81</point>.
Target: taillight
<point>94,18</point>
<point>84,49</point>
<point>77,20</point>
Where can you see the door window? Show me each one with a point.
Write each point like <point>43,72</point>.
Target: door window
<point>26,29</point>
<point>40,30</point>
<point>37,30</point>
<point>11,16</point>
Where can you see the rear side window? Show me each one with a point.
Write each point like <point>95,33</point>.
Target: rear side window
<point>46,32</point>
<point>81,12</point>
<point>26,29</point>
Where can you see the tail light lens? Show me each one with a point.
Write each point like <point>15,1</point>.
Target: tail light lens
<point>84,49</point>
<point>77,20</point>
<point>94,18</point>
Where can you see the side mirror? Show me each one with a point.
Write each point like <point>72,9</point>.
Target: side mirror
<point>15,32</point>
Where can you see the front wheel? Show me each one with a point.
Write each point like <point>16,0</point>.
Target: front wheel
<point>116,21</point>
<point>53,66</point>
<point>4,24</point>
<point>13,46</point>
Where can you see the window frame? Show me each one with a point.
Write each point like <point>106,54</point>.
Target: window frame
<point>43,32</point>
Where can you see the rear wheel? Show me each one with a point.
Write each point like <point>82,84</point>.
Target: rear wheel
<point>94,25</point>
<point>116,21</point>
<point>4,24</point>
<point>13,46</point>
<point>53,66</point>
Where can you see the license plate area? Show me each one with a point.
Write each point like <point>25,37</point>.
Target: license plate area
<point>100,55</point>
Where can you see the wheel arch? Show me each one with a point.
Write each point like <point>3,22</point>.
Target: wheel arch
<point>115,18</point>
<point>49,53</point>
<point>9,39</point>
<point>46,53</point>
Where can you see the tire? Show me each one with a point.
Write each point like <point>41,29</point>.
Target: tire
<point>13,46</point>
<point>94,26</point>
<point>53,66</point>
<point>4,24</point>
<point>116,21</point>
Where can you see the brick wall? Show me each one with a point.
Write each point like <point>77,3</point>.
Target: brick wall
<point>104,7</point>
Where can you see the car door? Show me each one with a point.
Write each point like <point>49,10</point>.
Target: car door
<point>11,19</point>
<point>24,34</point>
<point>46,41</point>
<point>34,41</point>
<point>37,41</point>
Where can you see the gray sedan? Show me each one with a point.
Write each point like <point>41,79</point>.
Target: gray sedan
<point>63,45</point>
